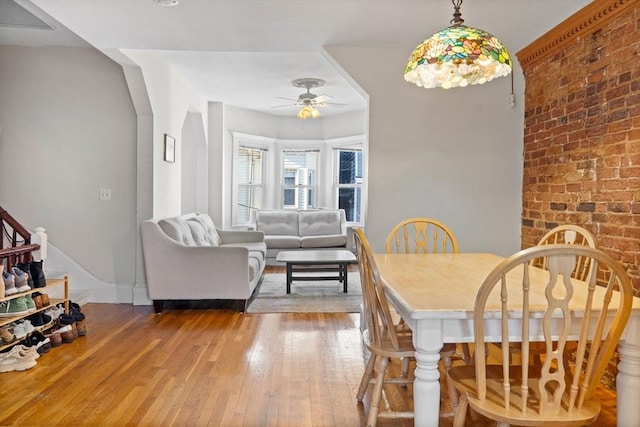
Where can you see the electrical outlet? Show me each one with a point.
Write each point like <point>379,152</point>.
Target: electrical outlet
<point>105,194</point>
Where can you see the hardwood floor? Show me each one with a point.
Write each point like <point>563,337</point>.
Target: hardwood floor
<point>202,367</point>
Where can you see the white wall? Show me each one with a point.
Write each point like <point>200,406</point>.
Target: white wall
<point>453,155</point>
<point>69,129</point>
<point>172,98</point>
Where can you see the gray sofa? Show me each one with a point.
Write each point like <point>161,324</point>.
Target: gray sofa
<point>300,229</point>
<point>188,258</point>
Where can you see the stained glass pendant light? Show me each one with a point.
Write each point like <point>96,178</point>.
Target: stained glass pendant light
<point>457,56</point>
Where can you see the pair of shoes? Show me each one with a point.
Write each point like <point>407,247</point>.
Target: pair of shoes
<point>54,312</point>
<point>40,321</point>
<point>36,273</point>
<point>19,358</point>
<point>41,343</point>
<point>22,328</point>
<point>15,307</point>
<point>62,335</point>
<point>40,299</point>
<point>18,279</point>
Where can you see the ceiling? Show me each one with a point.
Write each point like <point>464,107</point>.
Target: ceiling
<point>246,52</point>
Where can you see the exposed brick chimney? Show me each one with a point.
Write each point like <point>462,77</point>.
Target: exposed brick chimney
<point>582,130</point>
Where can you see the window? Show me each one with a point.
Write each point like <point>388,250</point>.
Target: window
<point>349,183</point>
<point>249,178</point>
<point>299,179</point>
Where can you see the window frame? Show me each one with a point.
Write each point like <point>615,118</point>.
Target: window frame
<point>256,143</point>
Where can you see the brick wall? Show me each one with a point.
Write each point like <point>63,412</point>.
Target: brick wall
<point>582,131</point>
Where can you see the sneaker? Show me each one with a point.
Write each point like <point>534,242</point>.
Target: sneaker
<point>26,267</point>
<point>6,335</point>
<point>13,307</point>
<point>40,321</point>
<point>19,331</point>
<point>54,312</point>
<point>31,305</point>
<point>22,329</point>
<point>9,283</point>
<point>21,279</point>
<point>13,361</point>
<point>41,343</point>
<point>24,351</point>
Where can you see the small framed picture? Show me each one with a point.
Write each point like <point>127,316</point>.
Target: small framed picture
<point>169,148</point>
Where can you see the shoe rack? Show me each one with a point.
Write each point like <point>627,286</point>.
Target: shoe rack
<point>52,283</point>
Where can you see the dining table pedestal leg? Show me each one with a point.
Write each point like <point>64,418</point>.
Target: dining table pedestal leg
<point>628,379</point>
<point>426,386</point>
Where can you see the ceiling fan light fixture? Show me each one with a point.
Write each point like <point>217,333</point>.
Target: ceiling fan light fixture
<point>308,111</point>
<point>457,56</point>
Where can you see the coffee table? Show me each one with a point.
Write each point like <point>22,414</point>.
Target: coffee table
<point>320,261</point>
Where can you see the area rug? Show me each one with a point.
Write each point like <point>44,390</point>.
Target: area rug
<point>307,296</point>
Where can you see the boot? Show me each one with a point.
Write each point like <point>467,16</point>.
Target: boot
<point>26,267</point>
<point>37,274</point>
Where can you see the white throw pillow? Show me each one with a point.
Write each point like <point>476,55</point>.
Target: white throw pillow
<point>206,222</point>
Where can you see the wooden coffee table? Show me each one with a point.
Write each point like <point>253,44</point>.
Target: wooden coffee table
<point>321,261</point>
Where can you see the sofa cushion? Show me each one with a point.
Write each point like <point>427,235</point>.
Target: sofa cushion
<point>258,247</point>
<point>331,241</point>
<point>178,230</point>
<point>279,222</point>
<point>254,268</point>
<point>212,236</point>
<point>319,223</point>
<point>282,242</point>
<point>198,234</point>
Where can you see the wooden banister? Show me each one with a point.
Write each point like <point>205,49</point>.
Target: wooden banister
<point>17,250</point>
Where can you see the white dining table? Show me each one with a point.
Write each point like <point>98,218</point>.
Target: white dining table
<point>435,295</point>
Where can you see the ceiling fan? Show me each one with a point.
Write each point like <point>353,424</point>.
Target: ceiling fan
<point>307,100</point>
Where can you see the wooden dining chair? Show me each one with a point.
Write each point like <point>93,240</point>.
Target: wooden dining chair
<point>384,338</point>
<point>574,235</point>
<point>568,234</point>
<point>426,236</point>
<point>421,235</point>
<point>547,394</point>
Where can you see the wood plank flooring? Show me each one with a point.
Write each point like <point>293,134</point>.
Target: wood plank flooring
<point>202,367</point>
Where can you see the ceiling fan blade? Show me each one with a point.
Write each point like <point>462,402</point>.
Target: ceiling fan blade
<point>322,97</point>
<point>323,104</point>
<point>287,99</point>
<point>285,105</point>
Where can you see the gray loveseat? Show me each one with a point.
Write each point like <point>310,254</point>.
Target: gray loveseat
<point>188,258</point>
<point>300,229</point>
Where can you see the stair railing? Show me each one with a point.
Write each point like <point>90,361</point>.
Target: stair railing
<point>15,241</point>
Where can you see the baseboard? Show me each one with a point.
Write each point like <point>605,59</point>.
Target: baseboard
<point>140,295</point>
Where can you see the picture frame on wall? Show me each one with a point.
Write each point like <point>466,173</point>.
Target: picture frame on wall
<point>169,148</point>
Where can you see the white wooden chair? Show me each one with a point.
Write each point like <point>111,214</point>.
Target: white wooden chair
<point>421,235</point>
<point>550,394</point>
